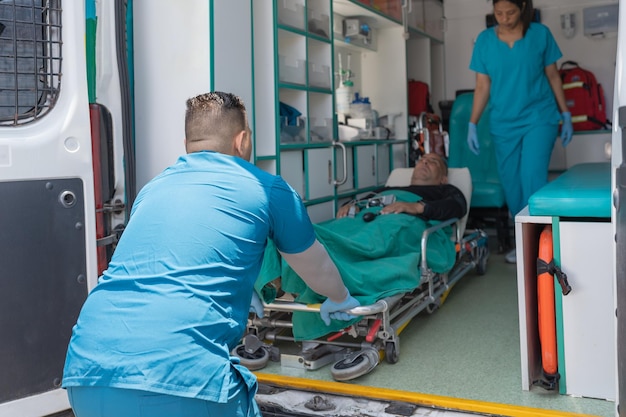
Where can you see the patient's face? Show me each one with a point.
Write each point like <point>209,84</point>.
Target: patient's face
<point>430,169</point>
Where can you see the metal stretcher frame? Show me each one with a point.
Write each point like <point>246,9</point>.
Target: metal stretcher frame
<point>381,322</point>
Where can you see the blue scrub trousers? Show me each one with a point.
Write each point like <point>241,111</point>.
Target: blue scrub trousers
<point>118,402</point>
<point>523,158</point>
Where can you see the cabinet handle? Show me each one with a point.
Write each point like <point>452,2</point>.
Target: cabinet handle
<point>330,171</point>
<point>345,164</point>
<point>373,166</point>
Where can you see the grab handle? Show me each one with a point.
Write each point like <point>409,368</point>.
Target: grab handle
<point>342,181</point>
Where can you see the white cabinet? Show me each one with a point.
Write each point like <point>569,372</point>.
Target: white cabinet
<point>372,165</point>
<point>369,165</point>
<point>378,65</point>
<point>309,171</point>
<point>293,96</point>
<point>294,120</point>
<point>587,313</point>
<point>292,75</point>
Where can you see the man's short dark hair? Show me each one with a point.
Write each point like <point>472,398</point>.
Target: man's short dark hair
<point>214,116</point>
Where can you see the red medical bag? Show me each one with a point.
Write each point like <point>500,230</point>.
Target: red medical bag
<point>584,97</point>
<point>419,98</point>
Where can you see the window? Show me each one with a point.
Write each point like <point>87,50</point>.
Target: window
<point>30,59</point>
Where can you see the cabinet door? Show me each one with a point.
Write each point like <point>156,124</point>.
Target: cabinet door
<point>400,155</point>
<point>588,312</point>
<point>320,173</point>
<point>292,170</point>
<point>366,166</point>
<point>382,163</point>
<point>433,18</point>
<point>415,14</point>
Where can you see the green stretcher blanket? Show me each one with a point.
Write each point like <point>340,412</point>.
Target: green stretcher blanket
<point>376,260</point>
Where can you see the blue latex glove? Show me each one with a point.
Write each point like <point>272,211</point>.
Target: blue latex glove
<point>472,138</point>
<point>567,129</point>
<point>256,305</point>
<point>331,310</point>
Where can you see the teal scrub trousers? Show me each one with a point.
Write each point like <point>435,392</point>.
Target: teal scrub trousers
<point>523,158</point>
<point>118,402</point>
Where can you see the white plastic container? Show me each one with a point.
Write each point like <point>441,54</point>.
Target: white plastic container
<point>319,75</point>
<point>344,96</point>
<point>291,70</point>
<point>361,110</point>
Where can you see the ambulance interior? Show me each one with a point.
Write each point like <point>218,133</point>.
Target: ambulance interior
<point>298,63</point>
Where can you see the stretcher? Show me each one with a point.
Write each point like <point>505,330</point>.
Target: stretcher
<point>358,348</point>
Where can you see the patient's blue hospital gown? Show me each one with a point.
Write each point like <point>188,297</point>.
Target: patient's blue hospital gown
<point>175,299</point>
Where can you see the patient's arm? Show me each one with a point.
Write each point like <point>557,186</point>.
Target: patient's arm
<point>404,207</point>
<point>440,202</point>
<point>318,271</point>
<point>345,209</point>
<point>451,205</point>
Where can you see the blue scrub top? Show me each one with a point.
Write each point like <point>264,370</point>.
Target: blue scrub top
<point>520,92</point>
<point>175,298</point>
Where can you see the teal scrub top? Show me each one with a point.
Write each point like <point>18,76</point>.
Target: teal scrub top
<point>175,298</point>
<point>520,91</point>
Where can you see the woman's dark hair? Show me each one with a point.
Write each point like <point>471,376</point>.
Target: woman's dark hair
<point>526,7</point>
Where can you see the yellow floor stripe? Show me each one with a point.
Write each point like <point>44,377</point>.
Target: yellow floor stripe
<point>449,403</point>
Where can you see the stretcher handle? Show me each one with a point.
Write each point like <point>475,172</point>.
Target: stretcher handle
<point>426,234</point>
<point>363,310</point>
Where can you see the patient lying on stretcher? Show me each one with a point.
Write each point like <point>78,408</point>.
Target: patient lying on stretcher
<point>379,258</point>
<point>439,200</point>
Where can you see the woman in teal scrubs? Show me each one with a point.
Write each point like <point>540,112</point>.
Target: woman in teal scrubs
<point>517,76</point>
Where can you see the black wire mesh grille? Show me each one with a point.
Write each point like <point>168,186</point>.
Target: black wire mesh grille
<point>30,59</point>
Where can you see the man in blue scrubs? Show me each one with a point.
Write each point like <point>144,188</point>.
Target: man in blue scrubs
<point>155,335</point>
<point>517,76</point>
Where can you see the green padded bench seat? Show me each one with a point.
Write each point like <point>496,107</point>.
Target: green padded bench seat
<point>584,190</point>
<point>487,190</point>
<point>487,194</point>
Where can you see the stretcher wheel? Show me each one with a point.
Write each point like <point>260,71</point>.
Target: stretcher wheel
<point>252,360</point>
<point>392,352</point>
<point>432,307</point>
<point>481,266</point>
<point>355,365</point>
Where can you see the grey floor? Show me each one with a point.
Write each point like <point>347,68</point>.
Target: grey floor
<point>468,349</point>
